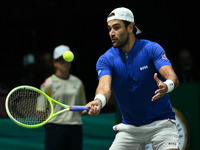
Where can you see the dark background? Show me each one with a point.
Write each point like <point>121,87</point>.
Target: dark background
<point>38,26</point>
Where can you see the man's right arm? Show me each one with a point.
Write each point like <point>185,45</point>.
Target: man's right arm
<point>104,89</point>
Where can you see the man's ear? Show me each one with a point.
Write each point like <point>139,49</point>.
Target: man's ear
<point>130,27</point>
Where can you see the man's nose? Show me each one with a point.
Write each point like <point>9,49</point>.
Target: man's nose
<point>112,33</point>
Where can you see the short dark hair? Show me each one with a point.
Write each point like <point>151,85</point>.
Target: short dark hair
<point>111,14</point>
<point>126,23</point>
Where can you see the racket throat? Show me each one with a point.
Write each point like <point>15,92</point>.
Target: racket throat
<point>62,111</point>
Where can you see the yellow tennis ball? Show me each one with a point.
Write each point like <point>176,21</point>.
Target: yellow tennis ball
<point>68,56</point>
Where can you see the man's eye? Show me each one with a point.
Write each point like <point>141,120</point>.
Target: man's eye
<point>116,28</point>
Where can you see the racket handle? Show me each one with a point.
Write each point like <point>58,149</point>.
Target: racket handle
<point>79,108</point>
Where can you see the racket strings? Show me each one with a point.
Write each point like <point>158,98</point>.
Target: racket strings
<point>29,107</point>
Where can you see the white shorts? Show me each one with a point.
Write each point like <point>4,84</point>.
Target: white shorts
<point>162,134</point>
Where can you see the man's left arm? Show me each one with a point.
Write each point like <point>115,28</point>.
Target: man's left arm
<point>170,84</point>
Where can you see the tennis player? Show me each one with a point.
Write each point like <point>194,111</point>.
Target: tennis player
<point>65,130</point>
<point>141,77</point>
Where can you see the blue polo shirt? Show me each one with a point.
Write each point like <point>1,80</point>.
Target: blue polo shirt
<point>133,81</point>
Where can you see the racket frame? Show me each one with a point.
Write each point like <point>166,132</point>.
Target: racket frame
<point>52,114</point>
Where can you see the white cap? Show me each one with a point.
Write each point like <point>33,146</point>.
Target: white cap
<point>59,50</point>
<point>125,14</point>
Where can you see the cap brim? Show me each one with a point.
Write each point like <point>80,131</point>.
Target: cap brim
<point>138,30</point>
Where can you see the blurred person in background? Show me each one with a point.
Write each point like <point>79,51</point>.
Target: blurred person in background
<point>28,73</point>
<point>64,131</point>
<point>187,71</point>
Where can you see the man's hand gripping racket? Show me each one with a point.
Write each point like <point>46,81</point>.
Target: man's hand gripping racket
<point>30,107</point>
<point>94,108</point>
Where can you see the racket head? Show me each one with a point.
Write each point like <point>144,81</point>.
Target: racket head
<point>28,106</point>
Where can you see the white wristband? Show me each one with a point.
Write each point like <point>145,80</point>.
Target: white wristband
<point>102,98</point>
<point>170,85</point>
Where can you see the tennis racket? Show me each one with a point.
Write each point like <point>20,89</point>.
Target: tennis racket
<point>30,107</point>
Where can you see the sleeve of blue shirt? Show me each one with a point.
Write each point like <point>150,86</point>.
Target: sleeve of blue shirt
<point>103,66</point>
<point>159,56</point>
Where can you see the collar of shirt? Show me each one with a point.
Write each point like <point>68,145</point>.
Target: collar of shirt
<point>127,57</point>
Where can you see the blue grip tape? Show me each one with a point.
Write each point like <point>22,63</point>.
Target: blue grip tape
<point>79,108</point>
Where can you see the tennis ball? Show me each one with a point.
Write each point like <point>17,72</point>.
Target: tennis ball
<point>68,56</point>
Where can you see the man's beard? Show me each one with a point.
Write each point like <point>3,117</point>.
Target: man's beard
<point>121,44</point>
